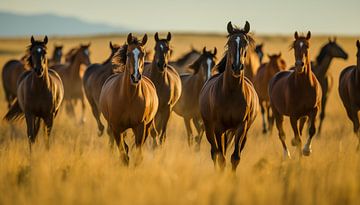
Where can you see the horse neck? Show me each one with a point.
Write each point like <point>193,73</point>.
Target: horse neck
<point>230,82</point>
<point>55,58</point>
<point>43,81</point>
<point>324,65</point>
<point>307,73</point>
<point>127,87</point>
<point>74,67</point>
<point>154,71</point>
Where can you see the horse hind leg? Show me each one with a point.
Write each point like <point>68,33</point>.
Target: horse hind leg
<point>240,139</point>
<point>164,121</point>
<point>262,107</point>
<point>312,129</point>
<point>270,117</point>
<point>189,132</point>
<point>141,132</point>
<point>200,130</point>
<point>122,147</point>
<point>322,113</point>
<point>296,141</point>
<point>83,107</point>
<point>210,136</point>
<point>96,114</point>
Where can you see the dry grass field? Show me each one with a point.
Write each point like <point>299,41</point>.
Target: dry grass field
<point>80,168</point>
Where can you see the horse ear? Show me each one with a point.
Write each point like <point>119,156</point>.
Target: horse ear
<point>111,45</point>
<point>296,35</point>
<point>308,36</point>
<point>215,51</point>
<point>156,37</point>
<point>330,41</point>
<point>88,45</point>
<point>129,38</point>
<point>247,27</point>
<point>144,40</point>
<point>32,40</point>
<point>279,55</point>
<point>358,43</point>
<point>230,28</point>
<point>269,56</point>
<point>168,37</point>
<point>204,49</point>
<point>46,40</point>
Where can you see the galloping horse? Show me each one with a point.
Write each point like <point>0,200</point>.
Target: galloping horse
<point>187,59</point>
<point>328,52</point>
<point>296,93</point>
<point>188,104</point>
<point>261,82</point>
<point>70,75</point>
<point>349,85</point>
<point>93,80</point>
<point>167,83</point>
<point>39,94</point>
<point>228,102</point>
<point>128,99</point>
<point>56,57</point>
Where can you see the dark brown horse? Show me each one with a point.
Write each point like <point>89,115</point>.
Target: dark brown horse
<point>327,53</point>
<point>261,82</point>
<point>70,75</point>
<point>57,55</point>
<point>93,80</point>
<point>188,104</point>
<point>128,99</point>
<point>349,86</point>
<point>296,93</point>
<point>228,101</point>
<point>39,94</point>
<point>182,63</point>
<point>167,83</point>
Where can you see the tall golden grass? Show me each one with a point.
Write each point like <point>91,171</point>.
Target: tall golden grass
<point>80,168</point>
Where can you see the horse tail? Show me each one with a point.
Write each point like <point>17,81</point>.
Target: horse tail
<point>14,112</point>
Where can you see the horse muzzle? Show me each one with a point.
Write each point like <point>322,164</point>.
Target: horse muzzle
<point>135,78</point>
<point>39,71</point>
<point>237,68</point>
<point>299,63</point>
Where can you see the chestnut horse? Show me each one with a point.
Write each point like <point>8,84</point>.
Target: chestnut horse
<point>261,82</point>
<point>70,75</point>
<point>93,80</point>
<point>39,94</point>
<point>349,85</point>
<point>296,93</point>
<point>327,53</point>
<point>128,99</point>
<point>184,61</point>
<point>12,71</point>
<point>188,104</point>
<point>167,83</point>
<point>228,101</point>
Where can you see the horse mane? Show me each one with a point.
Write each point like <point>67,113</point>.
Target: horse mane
<point>27,56</point>
<point>322,54</point>
<point>184,57</point>
<point>119,58</point>
<point>109,59</point>
<point>220,67</point>
<point>70,56</point>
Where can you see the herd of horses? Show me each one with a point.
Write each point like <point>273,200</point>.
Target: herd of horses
<point>221,99</point>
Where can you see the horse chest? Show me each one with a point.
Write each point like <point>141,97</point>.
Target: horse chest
<point>235,109</point>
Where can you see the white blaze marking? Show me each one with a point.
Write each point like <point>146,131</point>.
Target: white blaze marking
<point>208,61</point>
<point>301,44</point>
<point>237,50</point>
<point>86,51</point>
<point>162,47</point>
<point>136,53</point>
<point>39,50</point>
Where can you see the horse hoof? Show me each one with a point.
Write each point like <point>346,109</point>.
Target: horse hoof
<point>306,152</point>
<point>295,142</point>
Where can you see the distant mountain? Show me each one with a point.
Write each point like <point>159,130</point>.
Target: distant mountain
<point>12,25</point>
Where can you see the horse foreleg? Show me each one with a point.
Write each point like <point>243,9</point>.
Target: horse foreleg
<point>122,146</point>
<point>312,130</point>
<point>96,113</point>
<point>188,131</point>
<point>83,106</point>
<point>240,139</point>
<point>210,136</point>
<point>200,130</point>
<point>48,127</point>
<point>270,117</point>
<point>220,154</point>
<point>262,107</point>
<point>296,141</point>
<point>279,119</point>
<point>164,121</point>
<point>30,124</point>
<point>141,132</point>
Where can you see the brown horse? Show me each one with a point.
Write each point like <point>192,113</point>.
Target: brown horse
<point>167,83</point>
<point>296,93</point>
<point>252,63</point>
<point>70,75</point>
<point>93,80</point>
<point>57,55</point>
<point>349,85</point>
<point>184,61</point>
<point>327,53</point>
<point>128,99</point>
<point>228,102</point>
<point>188,104</point>
<point>260,53</point>
<point>40,93</point>
<point>261,82</point>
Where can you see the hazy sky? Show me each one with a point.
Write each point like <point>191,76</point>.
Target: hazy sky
<point>265,16</point>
